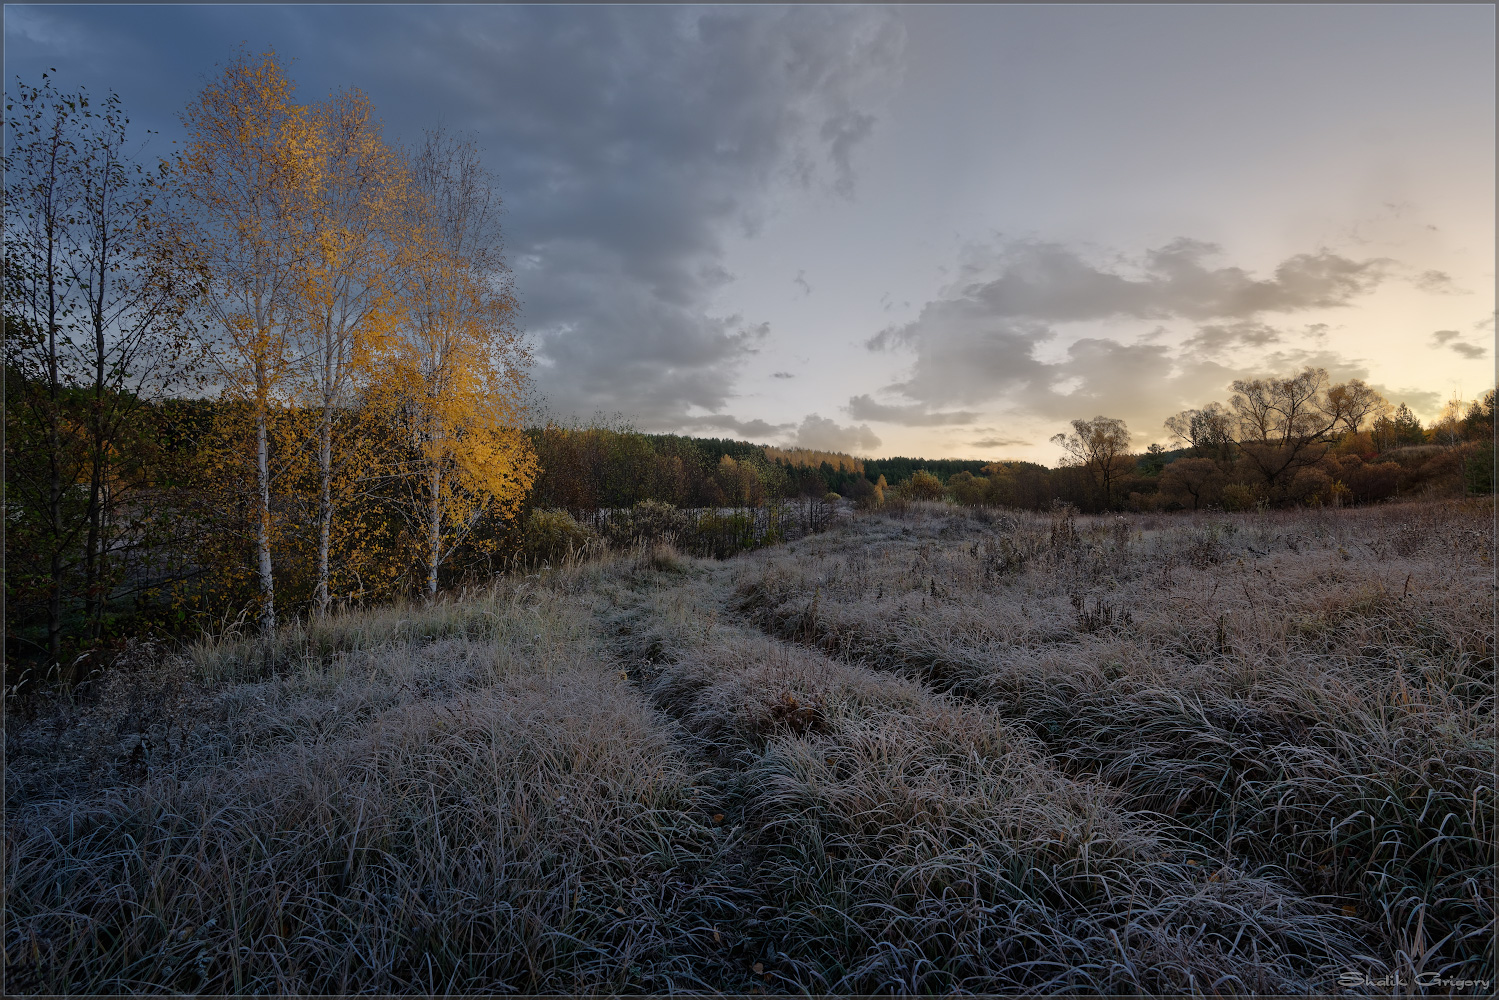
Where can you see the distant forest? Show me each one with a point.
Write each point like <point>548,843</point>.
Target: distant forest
<point>590,468</point>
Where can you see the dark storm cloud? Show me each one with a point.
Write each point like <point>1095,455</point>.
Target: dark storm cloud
<point>915,415</point>
<point>626,143</point>
<point>632,141</point>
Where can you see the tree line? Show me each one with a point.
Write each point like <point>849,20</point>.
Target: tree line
<point>1282,440</point>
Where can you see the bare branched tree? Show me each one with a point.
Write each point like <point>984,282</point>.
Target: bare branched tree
<point>1100,445</point>
<point>1284,423</point>
<point>94,331</point>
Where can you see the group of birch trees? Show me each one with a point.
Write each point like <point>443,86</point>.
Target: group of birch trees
<point>364,286</point>
<point>338,304</point>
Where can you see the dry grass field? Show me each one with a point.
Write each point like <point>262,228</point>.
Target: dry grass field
<point>928,751</point>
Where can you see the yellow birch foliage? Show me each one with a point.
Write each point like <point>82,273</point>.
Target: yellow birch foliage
<point>355,221</point>
<point>455,385</point>
<point>245,174</point>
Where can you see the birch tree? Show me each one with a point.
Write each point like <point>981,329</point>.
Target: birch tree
<point>245,173</point>
<point>355,193</point>
<point>456,376</point>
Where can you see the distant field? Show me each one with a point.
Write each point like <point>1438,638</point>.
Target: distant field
<point>934,752</point>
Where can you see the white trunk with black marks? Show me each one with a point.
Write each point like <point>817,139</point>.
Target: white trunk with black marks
<point>325,479</point>
<point>435,529</point>
<point>325,507</point>
<point>263,532</point>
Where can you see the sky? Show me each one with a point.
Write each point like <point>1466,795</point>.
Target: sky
<point>939,231</point>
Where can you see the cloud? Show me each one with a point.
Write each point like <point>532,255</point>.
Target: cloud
<point>915,415</point>
<point>821,434</point>
<point>1245,333</point>
<point>1427,401</point>
<point>1450,340</point>
<point>800,281</point>
<point>1437,283</point>
<point>754,430</point>
<point>1050,282</point>
<point>842,132</point>
<point>623,184</point>
<point>782,375</point>
<point>995,442</point>
<point>998,338</point>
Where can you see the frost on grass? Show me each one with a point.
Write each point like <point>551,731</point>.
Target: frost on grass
<point>935,752</point>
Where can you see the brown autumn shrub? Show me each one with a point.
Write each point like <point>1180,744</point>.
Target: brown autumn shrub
<point>1238,497</point>
<point>1310,486</point>
<point>1194,483</point>
<point>922,486</point>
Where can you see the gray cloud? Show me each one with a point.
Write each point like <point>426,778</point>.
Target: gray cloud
<point>782,375</point>
<point>1054,283</point>
<point>754,430</point>
<point>1437,283</point>
<point>964,356</point>
<point>822,434</point>
<point>1451,340</point>
<point>800,281</point>
<point>842,132</point>
<point>624,182</point>
<point>1249,334</point>
<point>982,342</point>
<point>1427,401</point>
<point>1245,333</point>
<point>915,415</point>
<point>996,442</point>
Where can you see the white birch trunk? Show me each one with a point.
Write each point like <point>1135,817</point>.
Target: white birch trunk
<point>263,534</point>
<point>435,530</point>
<point>325,480</point>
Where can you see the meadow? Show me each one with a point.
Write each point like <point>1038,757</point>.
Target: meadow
<point>930,749</point>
